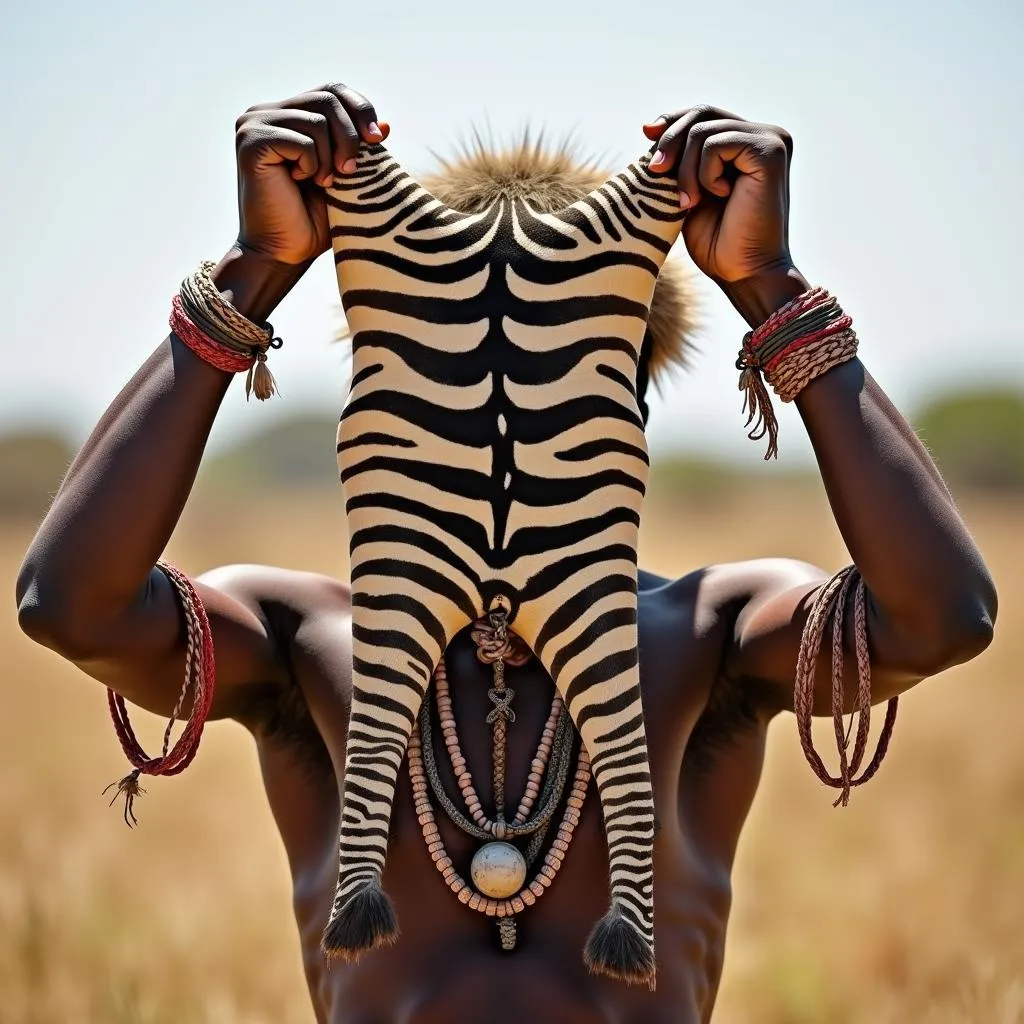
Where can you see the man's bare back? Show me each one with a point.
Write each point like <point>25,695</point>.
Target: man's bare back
<point>717,648</point>
<point>448,964</point>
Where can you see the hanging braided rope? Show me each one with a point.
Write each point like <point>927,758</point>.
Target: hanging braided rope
<point>200,678</point>
<point>831,603</point>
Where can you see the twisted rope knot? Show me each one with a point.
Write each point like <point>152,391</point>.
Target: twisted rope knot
<point>496,642</point>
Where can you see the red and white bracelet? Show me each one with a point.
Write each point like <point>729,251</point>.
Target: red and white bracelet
<point>799,342</point>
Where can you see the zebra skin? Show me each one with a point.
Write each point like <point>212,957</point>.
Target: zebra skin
<point>492,455</point>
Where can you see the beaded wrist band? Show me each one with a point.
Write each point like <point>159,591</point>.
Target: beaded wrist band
<point>799,342</point>
<point>216,332</point>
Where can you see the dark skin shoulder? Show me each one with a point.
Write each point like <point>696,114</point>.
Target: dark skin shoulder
<point>707,742</point>
<point>706,750</point>
<point>717,647</point>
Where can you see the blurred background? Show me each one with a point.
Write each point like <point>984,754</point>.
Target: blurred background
<point>117,176</point>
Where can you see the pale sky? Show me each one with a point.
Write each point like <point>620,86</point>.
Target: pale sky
<point>117,169</point>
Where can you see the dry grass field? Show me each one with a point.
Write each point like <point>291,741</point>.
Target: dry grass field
<point>906,907</point>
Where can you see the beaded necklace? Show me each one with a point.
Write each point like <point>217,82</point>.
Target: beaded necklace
<point>498,870</point>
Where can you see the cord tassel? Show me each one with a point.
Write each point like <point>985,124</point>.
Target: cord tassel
<point>757,404</point>
<point>129,788</point>
<point>260,381</point>
<point>801,341</point>
<point>221,336</point>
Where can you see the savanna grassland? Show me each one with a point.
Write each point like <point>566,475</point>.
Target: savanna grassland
<point>906,907</point>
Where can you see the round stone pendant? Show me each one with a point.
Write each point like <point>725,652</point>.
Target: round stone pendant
<point>498,870</point>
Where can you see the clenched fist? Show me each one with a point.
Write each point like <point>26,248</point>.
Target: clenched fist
<point>734,186</point>
<point>287,153</point>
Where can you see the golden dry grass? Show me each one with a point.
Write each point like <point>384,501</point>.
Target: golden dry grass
<point>904,908</point>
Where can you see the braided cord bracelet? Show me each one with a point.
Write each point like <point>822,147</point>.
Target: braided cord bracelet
<point>831,603</point>
<point>221,336</point>
<point>200,678</point>
<point>804,339</point>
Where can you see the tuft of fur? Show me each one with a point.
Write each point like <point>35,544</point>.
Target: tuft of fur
<point>672,321</point>
<point>616,949</point>
<point>548,178</point>
<point>551,178</point>
<point>366,921</point>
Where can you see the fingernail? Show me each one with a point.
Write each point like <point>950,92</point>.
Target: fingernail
<point>329,181</point>
<point>373,130</point>
<point>658,158</point>
<point>684,200</point>
<point>348,166</point>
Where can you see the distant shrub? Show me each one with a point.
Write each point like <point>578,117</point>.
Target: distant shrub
<point>977,437</point>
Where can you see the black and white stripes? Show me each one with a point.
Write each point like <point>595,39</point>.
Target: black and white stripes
<point>491,451</point>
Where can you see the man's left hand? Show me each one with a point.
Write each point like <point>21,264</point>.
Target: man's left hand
<point>734,185</point>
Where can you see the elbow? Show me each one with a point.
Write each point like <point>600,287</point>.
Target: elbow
<point>956,636</point>
<point>37,618</point>
<point>45,617</point>
<point>978,623</point>
<point>38,624</point>
<point>31,617</point>
<point>970,637</point>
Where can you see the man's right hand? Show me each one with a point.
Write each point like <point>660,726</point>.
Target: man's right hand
<point>287,153</point>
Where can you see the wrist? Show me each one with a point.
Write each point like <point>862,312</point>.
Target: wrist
<point>758,296</point>
<point>253,283</point>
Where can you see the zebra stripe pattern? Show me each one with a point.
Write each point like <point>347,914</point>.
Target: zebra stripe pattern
<point>492,454</point>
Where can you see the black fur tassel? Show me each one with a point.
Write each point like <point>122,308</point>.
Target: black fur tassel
<point>616,949</point>
<point>366,921</point>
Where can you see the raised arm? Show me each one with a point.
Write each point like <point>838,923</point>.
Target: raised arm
<point>88,587</point>
<point>930,601</point>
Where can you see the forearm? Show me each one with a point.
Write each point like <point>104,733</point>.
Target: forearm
<point>931,599</point>
<point>122,497</point>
